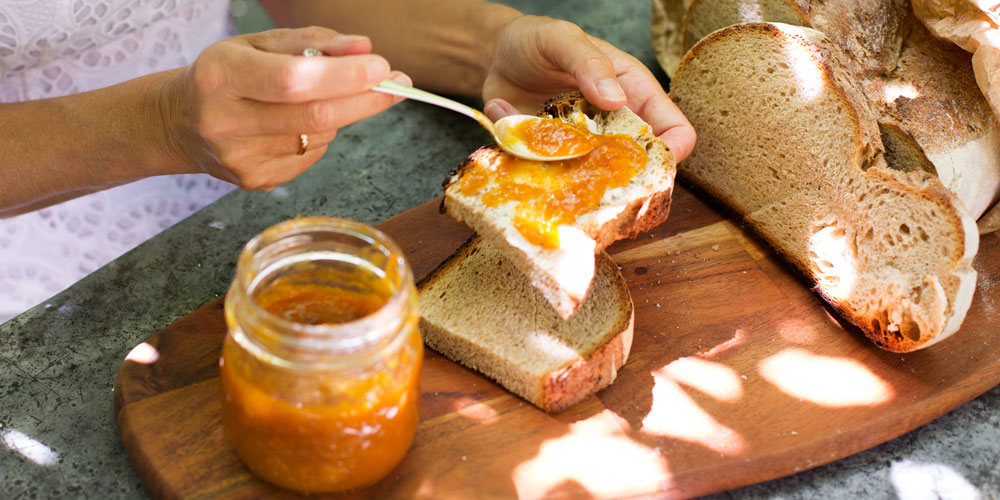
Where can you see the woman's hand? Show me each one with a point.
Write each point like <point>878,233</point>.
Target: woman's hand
<point>238,112</point>
<point>534,57</point>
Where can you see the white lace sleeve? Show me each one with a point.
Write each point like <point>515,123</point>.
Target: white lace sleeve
<point>50,48</point>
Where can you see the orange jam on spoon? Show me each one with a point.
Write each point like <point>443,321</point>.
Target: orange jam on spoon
<point>552,137</point>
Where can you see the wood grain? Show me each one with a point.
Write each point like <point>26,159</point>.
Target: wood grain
<point>738,374</point>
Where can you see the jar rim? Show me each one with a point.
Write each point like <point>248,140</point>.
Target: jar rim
<point>360,333</point>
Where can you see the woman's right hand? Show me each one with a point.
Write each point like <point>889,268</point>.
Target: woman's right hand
<point>237,112</point>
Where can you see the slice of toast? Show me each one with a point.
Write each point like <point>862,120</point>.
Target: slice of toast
<point>479,310</point>
<point>890,250</point>
<point>563,274</point>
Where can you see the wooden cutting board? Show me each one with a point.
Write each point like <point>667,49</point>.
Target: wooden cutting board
<point>738,374</point>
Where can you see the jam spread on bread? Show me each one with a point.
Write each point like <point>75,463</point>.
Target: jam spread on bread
<point>550,194</point>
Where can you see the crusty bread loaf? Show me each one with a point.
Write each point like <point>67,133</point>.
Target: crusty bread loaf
<point>933,98</point>
<point>705,16</point>
<point>930,111</point>
<point>479,310</point>
<point>564,274</point>
<point>870,32</point>
<point>788,140</point>
<point>666,31</point>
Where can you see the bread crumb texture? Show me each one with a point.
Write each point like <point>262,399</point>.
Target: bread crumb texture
<point>479,310</point>
<point>786,140</point>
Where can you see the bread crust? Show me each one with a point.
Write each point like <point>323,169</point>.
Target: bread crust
<point>922,89</point>
<point>902,319</point>
<point>562,386</point>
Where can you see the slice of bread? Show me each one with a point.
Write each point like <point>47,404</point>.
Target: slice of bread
<point>931,113</point>
<point>479,310</point>
<point>563,274</point>
<point>790,143</point>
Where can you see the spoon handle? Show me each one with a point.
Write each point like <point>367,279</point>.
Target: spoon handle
<point>390,87</point>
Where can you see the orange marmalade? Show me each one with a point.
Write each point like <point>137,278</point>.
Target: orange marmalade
<point>320,370</point>
<point>550,194</point>
<point>552,137</point>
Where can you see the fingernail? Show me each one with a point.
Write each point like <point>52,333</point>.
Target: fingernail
<point>610,89</point>
<point>401,78</point>
<point>345,39</point>
<point>377,69</point>
<point>493,111</point>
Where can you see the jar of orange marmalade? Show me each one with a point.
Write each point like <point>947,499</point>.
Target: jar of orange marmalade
<point>321,366</point>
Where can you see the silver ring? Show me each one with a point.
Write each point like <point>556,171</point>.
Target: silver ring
<point>303,144</point>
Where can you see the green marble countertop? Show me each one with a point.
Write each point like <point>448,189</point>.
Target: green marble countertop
<point>58,361</point>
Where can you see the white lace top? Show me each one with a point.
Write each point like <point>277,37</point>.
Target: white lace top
<point>51,48</point>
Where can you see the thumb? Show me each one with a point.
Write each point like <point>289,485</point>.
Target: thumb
<point>498,108</point>
<point>575,53</point>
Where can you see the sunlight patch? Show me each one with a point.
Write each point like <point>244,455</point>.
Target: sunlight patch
<point>144,354</point>
<point>715,379</point>
<point>677,415</point>
<point>29,447</point>
<point>809,77</point>
<point>895,90</point>
<point>916,481</point>
<point>833,260</point>
<point>824,380</point>
<point>749,11</point>
<point>628,468</point>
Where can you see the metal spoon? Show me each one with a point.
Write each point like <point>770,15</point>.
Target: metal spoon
<point>502,131</point>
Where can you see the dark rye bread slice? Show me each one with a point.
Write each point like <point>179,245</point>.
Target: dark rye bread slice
<point>932,115</point>
<point>788,141</point>
<point>478,309</point>
<point>563,275</point>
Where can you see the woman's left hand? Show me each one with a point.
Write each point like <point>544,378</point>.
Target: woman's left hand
<point>534,57</point>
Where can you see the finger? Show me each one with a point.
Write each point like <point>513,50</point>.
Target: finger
<point>270,77</point>
<point>291,144</point>
<point>401,78</point>
<point>295,41</point>
<point>319,115</point>
<point>669,124</point>
<point>681,140</point>
<point>648,100</point>
<point>498,108</point>
<point>567,46</point>
<point>279,169</point>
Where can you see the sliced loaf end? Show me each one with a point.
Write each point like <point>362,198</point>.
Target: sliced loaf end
<point>790,144</point>
<point>478,310</point>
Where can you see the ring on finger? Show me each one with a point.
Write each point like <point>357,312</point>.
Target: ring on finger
<point>303,144</point>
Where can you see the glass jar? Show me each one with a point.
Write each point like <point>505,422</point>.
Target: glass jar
<point>320,368</point>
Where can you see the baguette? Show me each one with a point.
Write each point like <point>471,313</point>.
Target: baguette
<point>477,309</point>
<point>564,274</point>
<point>890,250</point>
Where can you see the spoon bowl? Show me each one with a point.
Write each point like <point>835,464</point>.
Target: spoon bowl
<point>506,131</point>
